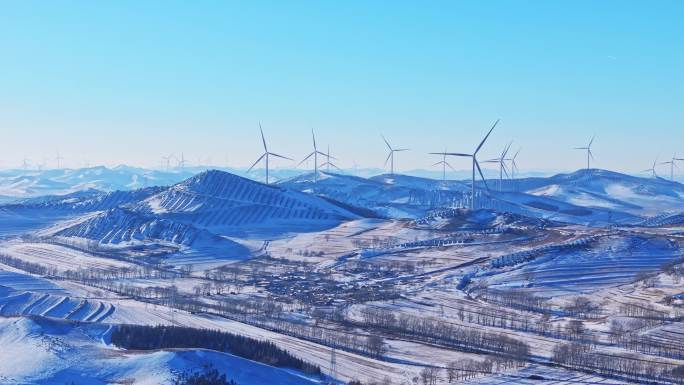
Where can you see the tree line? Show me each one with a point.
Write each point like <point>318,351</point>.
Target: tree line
<point>142,337</point>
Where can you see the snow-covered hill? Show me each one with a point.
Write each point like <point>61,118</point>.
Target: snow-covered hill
<point>394,196</point>
<point>48,351</point>
<point>608,190</point>
<point>231,205</point>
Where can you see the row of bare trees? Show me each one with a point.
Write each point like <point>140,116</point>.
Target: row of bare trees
<point>583,357</point>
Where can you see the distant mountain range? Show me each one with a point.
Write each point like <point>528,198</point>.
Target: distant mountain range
<point>211,212</point>
<point>18,184</point>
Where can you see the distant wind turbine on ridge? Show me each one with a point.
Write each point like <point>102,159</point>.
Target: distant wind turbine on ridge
<point>390,156</point>
<point>514,165</point>
<point>501,161</point>
<point>328,163</point>
<point>590,155</point>
<point>652,170</point>
<point>444,165</point>
<point>673,164</point>
<point>59,160</point>
<point>315,154</point>
<point>265,156</point>
<point>473,156</point>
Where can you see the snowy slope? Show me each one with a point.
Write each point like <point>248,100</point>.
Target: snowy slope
<point>122,226</point>
<point>45,351</point>
<point>394,196</point>
<point>608,190</point>
<point>227,204</point>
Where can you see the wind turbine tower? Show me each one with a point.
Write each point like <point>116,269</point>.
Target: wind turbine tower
<point>444,165</point>
<point>652,170</point>
<point>673,164</point>
<point>473,157</point>
<point>501,161</point>
<point>514,165</point>
<point>59,160</point>
<point>315,154</point>
<point>182,161</point>
<point>590,155</point>
<point>390,156</point>
<point>328,163</point>
<point>266,155</point>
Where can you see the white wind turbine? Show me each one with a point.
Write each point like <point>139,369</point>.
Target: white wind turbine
<point>265,156</point>
<point>181,161</point>
<point>590,155</point>
<point>315,154</point>
<point>59,160</point>
<point>473,156</point>
<point>673,164</point>
<point>328,163</point>
<point>25,163</point>
<point>652,170</point>
<point>501,161</point>
<point>514,165</point>
<point>390,156</point>
<point>444,165</point>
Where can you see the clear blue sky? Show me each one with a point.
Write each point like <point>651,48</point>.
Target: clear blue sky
<point>129,81</point>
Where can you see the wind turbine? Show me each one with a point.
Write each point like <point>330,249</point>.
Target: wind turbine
<point>473,156</point>
<point>328,163</point>
<point>514,165</point>
<point>444,165</point>
<point>501,160</point>
<point>25,163</point>
<point>182,162</point>
<point>390,156</point>
<point>59,160</point>
<point>673,164</point>
<point>653,168</point>
<point>590,155</point>
<point>315,154</point>
<point>265,155</point>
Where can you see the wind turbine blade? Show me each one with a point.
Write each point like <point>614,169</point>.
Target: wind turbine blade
<point>503,155</point>
<point>386,142</point>
<point>438,153</point>
<point>481,174</point>
<point>459,154</point>
<point>262,137</point>
<point>591,154</point>
<point>435,164</point>
<point>314,139</point>
<point>503,167</point>
<point>388,158</point>
<point>447,163</point>
<point>402,149</point>
<point>592,140</point>
<point>485,138</point>
<point>280,156</point>
<point>305,159</point>
<point>256,162</point>
<point>333,164</point>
